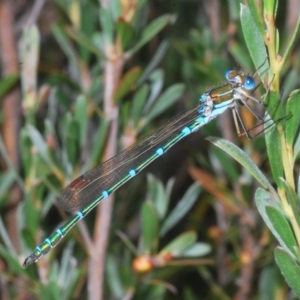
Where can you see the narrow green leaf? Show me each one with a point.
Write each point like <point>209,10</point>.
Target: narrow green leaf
<point>289,269</point>
<point>125,33</point>
<point>138,103</point>
<point>12,261</point>
<point>7,179</point>
<point>291,197</point>
<point>7,83</point>
<point>115,7</point>
<point>159,54</point>
<point>72,138</point>
<point>257,19</point>
<point>268,282</point>
<point>84,40</point>
<point>197,250</point>
<point>292,124</point>
<point>292,40</point>
<point>282,226</point>
<point>244,160</point>
<point>277,41</point>
<point>168,98</point>
<point>113,273</point>
<point>182,207</point>
<point>151,30</point>
<point>99,143</point>
<point>106,24</point>
<point>273,143</point>
<point>264,199</point>
<point>180,244</point>
<point>126,240</point>
<point>156,84</point>
<point>270,7</point>
<point>156,194</point>
<point>81,117</point>
<point>65,44</point>
<point>149,223</point>
<point>254,41</point>
<point>126,83</point>
<point>5,239</point>
<point>297,146</point>
<point>38,141</point>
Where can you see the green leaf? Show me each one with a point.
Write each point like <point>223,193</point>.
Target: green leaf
<point>65,44</point>
<point>113,276</point>
<point>151,30</point>
<point>7,179</point>
<point>263,199</point>
<point>72,137</point>
<point>149,222</point>
<point>98,142</point>
<point>7,83</point>
<point>273,143</point>
<point>254,41</point>
<point>282,226</point>
<point>138,103</point>
<point>182,207</point>
<point>291,197</point>
<point>292,124</point>
<point>270,7</point>
<point>84,41</point>
<point>197,250</point>
<point>11,259</point>
<point>244,160</point>
<point>256,18</point>
<point>126,240</point>
<point>167,99</point>
<point>107,25</point>
<point>180,244</point>
<point>269,281</point>
<point>156,194</point>
<point>115,7</point>
<point>292,40</point>
<point>289,269</point>
<point>159,54</point>
<point>81,117</point>
<point>156,83</point>
<point>126,83</point>
<point>125,33</point>
<point>38,141</point>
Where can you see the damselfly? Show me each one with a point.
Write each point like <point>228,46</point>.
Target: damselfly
<point>88,190</point>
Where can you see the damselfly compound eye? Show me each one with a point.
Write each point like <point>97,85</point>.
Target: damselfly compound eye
<point>230,74</point>
<point>249,83</point>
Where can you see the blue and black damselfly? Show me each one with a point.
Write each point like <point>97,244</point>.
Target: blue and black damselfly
<point>88,190</point>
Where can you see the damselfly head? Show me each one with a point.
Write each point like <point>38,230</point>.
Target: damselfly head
<point>240,79</point>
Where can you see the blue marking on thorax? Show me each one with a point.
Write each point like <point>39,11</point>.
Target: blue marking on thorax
<point>201,110</point>
<point>220,108</point>
<point>159,151</point>
<point>105,194</point>
<point>132,173</point>
<point>203,98</point>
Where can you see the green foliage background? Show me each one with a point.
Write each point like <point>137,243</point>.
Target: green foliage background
<point>194,224</point>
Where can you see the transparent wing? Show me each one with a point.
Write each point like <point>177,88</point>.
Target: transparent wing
<point>90,185</point>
